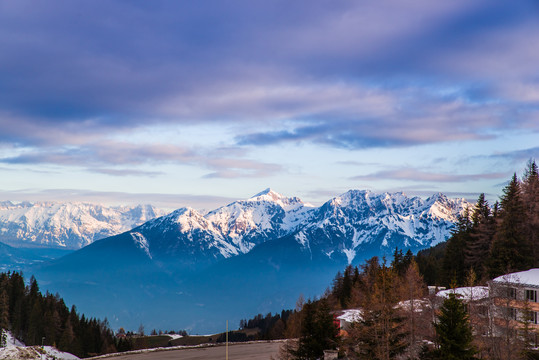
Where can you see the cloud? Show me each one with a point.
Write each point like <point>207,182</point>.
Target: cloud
<point>127,172</point>
<point>356,117</point>
<point>517,155</point>
<point>226,164</point>
<point>409,174</point>
<point>74,66</point>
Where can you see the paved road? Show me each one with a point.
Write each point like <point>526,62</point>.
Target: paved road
<point>262,351</point>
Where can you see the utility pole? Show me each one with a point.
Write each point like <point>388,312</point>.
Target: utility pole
<point>42,347</point>
<point>226,340</point>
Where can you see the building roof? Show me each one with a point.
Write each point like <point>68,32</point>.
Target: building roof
<point>472,293</point>
<point>528,277</point>
<point>351,315</point>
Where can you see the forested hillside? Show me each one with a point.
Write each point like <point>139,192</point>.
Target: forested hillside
<point>490,240</point>
<point>39,319</point>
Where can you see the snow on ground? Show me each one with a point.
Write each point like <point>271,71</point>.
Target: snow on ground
<point>16,350</point>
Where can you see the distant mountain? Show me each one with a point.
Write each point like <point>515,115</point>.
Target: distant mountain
<point>342,229</point>
<point>254,255</point>
<point>67,225</point>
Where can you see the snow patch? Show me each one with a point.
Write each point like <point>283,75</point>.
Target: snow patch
<point>301,238</point>
<point>16,350</point>
<point>141,243</point>
<point>350,255</point>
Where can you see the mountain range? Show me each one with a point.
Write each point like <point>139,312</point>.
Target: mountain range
<point>192,270</point>
<point>67,225</point>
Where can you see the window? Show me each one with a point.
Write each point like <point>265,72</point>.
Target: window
<point>511,313</point>
<point>531,295</point>
<point>482,310</point>
<point>512,293</point>
<point>532,317</point>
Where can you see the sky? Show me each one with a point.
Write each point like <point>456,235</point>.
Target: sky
<point>199,103</point>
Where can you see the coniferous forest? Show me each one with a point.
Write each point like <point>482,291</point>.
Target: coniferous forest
<point>492,239</point>
<point>38,319</point>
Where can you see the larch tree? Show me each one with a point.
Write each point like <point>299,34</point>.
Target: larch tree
<point>380,334</point>
<point>412,288</point>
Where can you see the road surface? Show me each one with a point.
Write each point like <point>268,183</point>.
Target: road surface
<point>262,351</point>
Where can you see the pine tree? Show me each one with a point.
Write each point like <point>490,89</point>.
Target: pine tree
<point>68,336</point>
<point>4,317</point>
<point>453,330</point>
<point>454,268</point>
<point>530,197</point>
<point>480,240</point>
<point>511,249</point>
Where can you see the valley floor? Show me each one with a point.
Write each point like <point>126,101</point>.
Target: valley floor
<point>258,350</point>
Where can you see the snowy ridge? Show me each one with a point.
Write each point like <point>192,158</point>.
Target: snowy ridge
<point>67,225</point>
<point>358,219</point>
<point>340,228</point>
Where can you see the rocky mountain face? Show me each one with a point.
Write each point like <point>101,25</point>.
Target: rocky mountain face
<point>341,228</point>
<point>67,225</point>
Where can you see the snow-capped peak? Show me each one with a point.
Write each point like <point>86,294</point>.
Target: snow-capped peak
<point>268,195</point>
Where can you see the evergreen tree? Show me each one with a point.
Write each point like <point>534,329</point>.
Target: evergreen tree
<point>4,310</point>
<point>4,316</point>
<point>530,197</point>
<point>454,268</point>
<point>453,330</point>
<point>511,249</point>
<point>480,239</point>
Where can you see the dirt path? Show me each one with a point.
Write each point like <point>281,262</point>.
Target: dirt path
<point>262,351</point>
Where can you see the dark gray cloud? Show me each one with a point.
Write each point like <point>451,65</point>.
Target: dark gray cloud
<point>347,74</point>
